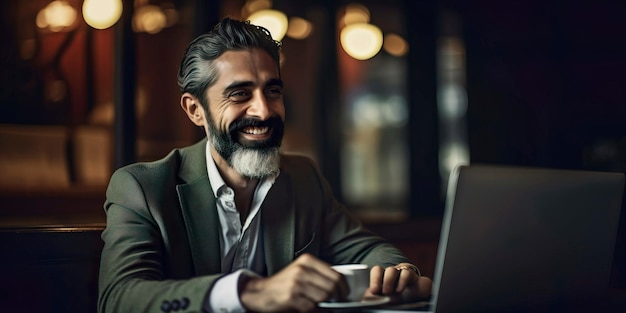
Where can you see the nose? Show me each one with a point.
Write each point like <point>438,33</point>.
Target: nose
<point>259,107</point>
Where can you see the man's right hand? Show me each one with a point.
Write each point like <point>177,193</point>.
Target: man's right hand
<point>298,287</point>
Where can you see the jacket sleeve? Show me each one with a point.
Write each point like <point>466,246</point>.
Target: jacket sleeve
<point>132,271</point>
<point>349,242</point>
<point>343,237</point>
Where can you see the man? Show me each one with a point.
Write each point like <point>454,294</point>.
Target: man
<point>230,224</point>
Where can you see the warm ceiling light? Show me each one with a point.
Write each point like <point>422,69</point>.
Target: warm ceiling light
<point>356,13</point>
<point>101,14</point>
<point>252,6</point>
<point>171,15</point>
<point>361,40</point>
<point>275,21</point>
<point>56,16</point>
<point>395,45</point>
<point>150,19</point>
<point>299,28</point>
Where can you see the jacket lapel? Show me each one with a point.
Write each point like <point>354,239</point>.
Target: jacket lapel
<point>198,207</point>
<point>199,212</point>
<point>278,220</point>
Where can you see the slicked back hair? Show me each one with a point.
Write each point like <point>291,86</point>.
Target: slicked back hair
<point>197,72</point>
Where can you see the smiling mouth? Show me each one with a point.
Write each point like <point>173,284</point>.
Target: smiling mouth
<point>255,137</point>
<point>257,134</point>
<point>255,130</point>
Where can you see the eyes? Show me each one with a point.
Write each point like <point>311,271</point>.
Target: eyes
<point>245,94</point>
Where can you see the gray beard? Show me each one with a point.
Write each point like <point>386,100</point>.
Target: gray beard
<point>250,162</point>
<point>255,163</point>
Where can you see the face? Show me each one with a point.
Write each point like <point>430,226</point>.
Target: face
<point>245,123</point>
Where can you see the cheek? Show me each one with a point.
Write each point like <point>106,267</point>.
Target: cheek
<point>227,117</point>
<point>279,109</point>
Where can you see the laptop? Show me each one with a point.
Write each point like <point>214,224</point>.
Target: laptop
<point>518,239</point>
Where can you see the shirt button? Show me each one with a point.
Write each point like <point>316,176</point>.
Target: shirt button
<point>229,204</point>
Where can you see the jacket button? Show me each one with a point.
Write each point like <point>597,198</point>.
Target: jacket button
<point>175,305</point>
<point>184,303</point>
<point>166,306</point>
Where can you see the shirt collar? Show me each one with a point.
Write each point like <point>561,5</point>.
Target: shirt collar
<point>215,179</point>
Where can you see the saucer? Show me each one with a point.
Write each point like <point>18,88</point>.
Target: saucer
<point>368,301</point>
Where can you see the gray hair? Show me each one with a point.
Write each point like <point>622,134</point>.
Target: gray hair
<point>197,73</point>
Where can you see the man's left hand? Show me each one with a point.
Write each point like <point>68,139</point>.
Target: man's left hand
<point>399,280</point>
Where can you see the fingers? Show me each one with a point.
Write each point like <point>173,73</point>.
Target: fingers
<point>391,280</point>
<point>383,281</point>
<point>406,277</point>
<point>315,286</point>
<point>376,280</point>
<point>298,287</point>
<point>289,290</point>
<point>323,277</point>
<point>308,281</point>
<point>315,265</point>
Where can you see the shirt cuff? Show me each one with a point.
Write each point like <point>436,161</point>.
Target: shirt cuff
<point>224,296</point>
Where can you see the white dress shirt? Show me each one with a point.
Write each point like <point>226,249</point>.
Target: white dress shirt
<point>241,245</point>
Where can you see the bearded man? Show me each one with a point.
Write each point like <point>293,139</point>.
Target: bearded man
<point>230,224</point>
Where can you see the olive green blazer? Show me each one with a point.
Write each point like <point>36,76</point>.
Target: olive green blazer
<point>161,242</point>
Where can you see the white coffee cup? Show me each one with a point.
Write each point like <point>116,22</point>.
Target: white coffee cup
<point>358,279</point>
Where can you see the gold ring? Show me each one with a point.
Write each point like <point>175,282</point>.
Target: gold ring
<point>409,267</point>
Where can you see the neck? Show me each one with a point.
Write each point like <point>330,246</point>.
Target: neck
<point>243,186</point>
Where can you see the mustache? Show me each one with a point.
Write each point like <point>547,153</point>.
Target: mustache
<point>274,122</point>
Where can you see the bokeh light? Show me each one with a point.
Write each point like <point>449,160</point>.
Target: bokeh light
<point>275,21</point>
<point>150,19</point>
<point>252,6</point>
<point>356,13</point>
<point>56,16</point>
<point>395,45</point>
<point>361,41</point>
<point>299,28</point>
<point>101,14</point>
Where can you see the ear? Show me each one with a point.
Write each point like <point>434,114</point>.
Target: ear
<point>193,108</point>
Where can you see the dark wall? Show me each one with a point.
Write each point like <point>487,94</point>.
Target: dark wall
<point>546,86</point>
<point>50,269</point>
<point>546,82</point>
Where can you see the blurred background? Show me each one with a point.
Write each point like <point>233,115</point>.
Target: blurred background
<point>386,95</point>
<point>88,86</point>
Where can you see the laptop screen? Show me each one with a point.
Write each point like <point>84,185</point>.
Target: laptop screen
<point>520,239</point>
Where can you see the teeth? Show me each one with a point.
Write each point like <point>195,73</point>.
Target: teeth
<point>255,130</point>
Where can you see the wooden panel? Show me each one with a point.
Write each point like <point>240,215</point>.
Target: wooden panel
<point>75,206</point>
<point>50,269</point>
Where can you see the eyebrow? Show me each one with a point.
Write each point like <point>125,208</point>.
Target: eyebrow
<point>274,82</point>
<point>241,84</point>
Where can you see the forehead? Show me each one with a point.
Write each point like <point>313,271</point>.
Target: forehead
<point>253,65</point>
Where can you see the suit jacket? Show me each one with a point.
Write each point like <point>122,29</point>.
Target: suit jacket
<point>161,242</point>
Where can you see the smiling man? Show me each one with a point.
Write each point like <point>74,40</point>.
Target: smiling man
<point>230,224</point>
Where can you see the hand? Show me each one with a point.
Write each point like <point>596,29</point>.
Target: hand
<point>298,287</point>
<point>405,282</point>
